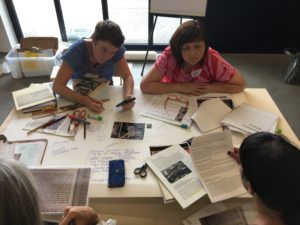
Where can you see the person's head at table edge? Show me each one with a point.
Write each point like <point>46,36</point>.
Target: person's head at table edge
<point>189,43</point>
<point>106,39</point>
<point>270,170</point>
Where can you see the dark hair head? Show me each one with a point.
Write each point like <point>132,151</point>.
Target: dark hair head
<point>187,32</point>
<point>271,164</point>
<point>108,30</point>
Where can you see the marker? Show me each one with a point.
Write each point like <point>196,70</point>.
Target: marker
<point>126,101</point>
<point>94,117</point>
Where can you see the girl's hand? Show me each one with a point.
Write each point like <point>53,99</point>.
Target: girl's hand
<point>130,104</point>
<point>235,154</point>
<point>79,215</point>
<point>93,104</point>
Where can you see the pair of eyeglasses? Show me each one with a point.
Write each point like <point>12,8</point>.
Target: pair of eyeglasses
<point>177,99</point>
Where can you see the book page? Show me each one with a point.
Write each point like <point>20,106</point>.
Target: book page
<point>174,168</point>
<point>56,187</point>
<point>29,152</point>
<point>33,95</point>
<point>209,114</point>
<point>172,108</point>
<point>218,172</point>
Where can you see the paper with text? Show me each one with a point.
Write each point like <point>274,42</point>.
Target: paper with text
<point>33,95</point>
<point>218,172</point>
<point>249,119</point>
<point>210,113</point>
<point>29,152</point>
<point>174,168</point>
<point>60,187</point>
<point>133,155</point>
<point>172,108</point>
<point>219,214</point>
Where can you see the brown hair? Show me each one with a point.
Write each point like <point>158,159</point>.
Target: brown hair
<point>108,30</point>
<point>187,32</point>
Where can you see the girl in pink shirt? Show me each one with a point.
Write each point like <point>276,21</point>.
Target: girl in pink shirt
<point>190,66</point>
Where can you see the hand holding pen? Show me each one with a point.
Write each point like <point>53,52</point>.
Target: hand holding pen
<point>127,103</point>
<point>93,104</point>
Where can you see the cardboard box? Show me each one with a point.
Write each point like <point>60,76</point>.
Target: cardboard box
<point>36,57</point>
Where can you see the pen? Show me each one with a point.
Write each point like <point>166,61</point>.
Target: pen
<point>124,102</point>
<point>84,130</point>
<point>50,122</point>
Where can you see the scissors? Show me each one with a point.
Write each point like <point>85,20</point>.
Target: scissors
<point>142,171</point>
<point>78,115</point>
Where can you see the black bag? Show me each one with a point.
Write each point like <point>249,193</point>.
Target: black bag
<point>292,75</point>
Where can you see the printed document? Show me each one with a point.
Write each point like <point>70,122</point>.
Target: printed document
<point>218,172</point>
<point>174,168</point>
<point>172,108</point>
<point>249,120</point>
<point>60,187</point>
<point>219,214</point>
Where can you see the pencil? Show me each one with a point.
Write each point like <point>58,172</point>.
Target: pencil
<point>50,122</point>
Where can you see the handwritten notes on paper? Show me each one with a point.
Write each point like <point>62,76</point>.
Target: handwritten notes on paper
<point>132,155</point>
<point>61,147</point>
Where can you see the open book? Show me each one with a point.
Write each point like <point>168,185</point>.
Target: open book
<point>32,96</point>
<point>60,187</point>
<point>218,172</point>
<point>29,152</point>
<point>173,166</point>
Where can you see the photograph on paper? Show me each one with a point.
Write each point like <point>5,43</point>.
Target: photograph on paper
<point>176,171</point>
<point>174,168</point>
<point>171,108</point>
<point>133,131</point>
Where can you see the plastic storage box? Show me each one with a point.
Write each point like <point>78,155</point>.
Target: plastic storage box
<point>24,62</point>
<point>24,66</point>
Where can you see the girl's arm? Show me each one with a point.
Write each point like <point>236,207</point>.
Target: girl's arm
<point>60,87</point>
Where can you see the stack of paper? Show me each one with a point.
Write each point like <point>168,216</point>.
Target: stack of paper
<point>33,98</point>
<point>218,172</point>
<point>174,168</point>
<point>210,113</point>
<point>59,187</point>
<point>248,119</point>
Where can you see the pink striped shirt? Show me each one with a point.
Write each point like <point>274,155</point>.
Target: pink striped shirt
<point>214,69</point>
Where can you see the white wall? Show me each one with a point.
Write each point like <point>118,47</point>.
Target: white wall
<point>7,35</point>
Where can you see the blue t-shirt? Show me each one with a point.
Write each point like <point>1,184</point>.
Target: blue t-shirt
<point>77,56</point>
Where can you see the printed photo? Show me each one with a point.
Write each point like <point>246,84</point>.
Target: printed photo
<point>133,131</point>
<point>86,86</point>
<point>181,114</point>
<point>176,172</point>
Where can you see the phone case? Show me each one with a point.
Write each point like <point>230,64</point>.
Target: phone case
<point>116,176</point>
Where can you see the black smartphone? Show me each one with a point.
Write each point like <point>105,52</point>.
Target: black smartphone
<point>116,173</point>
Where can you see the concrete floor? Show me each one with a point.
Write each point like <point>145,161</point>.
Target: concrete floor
<point>259,70</point>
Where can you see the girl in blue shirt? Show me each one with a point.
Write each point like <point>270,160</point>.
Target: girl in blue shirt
<point>99,55</point>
